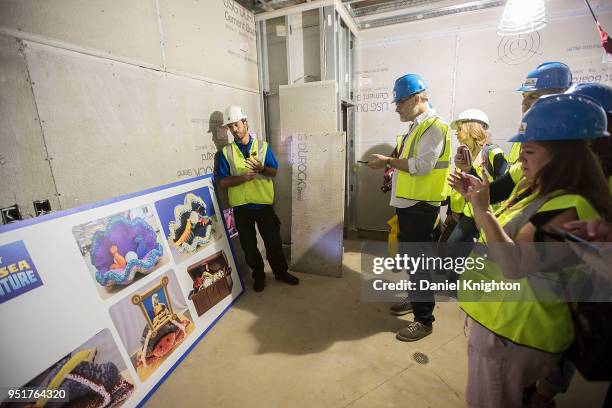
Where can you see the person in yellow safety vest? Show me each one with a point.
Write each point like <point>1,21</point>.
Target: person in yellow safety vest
<point>559,380</point>
<point>514,343</point>
<point>471,129</point>
<point>548,78</point>
<point>246,168</point>
<point>418,187</point>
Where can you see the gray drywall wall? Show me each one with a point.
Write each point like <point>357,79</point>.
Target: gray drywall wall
<point>113,128</point>
<point>304,108</point>
<point>127,29</point>
<point>317,219</point>
<point>24,169</point>
<point>212,39</point>
<point>114,107</point>
<point>466,65</point>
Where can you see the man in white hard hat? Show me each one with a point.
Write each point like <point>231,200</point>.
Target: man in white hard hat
<point>246,169</point>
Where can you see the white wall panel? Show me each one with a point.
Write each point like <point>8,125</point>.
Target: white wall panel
<point>304,108</point>
<point>126,29</point>
<point>317,218</point>
<point>377,122</point>
<point>212,39</point>
<point>494,89</point>
<point>113,128</point>
<point>24,170</point>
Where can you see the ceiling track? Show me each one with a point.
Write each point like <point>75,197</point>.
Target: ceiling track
<point>424,15</point>
<point>388,7</point>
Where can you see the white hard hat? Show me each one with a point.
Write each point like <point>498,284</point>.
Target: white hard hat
<point>471,114</point>
<point>233,113</point>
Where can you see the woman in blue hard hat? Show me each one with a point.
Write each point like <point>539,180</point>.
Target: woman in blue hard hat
<point>471,130</point>
<point>558,381</point>
<point>514,343</point>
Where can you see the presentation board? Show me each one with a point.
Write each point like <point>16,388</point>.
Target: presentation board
<point>103,301</point>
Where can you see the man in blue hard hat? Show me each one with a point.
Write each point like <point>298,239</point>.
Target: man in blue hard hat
<point>548,78</point>
<point>421,161</point>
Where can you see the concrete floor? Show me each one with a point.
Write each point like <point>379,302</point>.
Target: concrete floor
<point>317,345</point>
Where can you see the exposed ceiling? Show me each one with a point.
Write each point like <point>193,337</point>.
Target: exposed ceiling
<point>378,13</point>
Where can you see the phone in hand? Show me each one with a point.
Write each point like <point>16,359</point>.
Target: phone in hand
<point>464,153</point>
<point>562,235</point>
<point>362,162</point>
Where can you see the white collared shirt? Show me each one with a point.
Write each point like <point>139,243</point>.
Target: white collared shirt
<point>429,150</point>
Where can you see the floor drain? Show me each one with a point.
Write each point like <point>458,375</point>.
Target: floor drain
<point>420,358</point>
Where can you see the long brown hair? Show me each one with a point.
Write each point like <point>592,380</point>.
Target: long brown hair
<point>575,168</point>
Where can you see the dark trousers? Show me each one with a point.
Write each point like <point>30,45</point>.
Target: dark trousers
<point>416,224</point>
<point>268,225</point>
<point>465,231</point>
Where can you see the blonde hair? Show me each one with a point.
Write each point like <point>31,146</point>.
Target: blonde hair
<point>475,131</point>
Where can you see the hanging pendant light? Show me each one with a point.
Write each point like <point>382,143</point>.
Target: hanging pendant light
<point>522,17</point>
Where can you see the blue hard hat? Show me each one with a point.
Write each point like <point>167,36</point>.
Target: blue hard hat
<point>408,85</point>
<point>547,75</point>
<point>563,117</point>
<point>602,93</point>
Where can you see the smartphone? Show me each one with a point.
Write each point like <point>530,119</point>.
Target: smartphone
<point>362,162</point>
<point>562,235</point>
<point>575,238</point>
<point>464,153</point>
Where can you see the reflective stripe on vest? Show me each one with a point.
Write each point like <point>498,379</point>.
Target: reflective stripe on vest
<point>259,190</point>
<point>515,150</point>
<point>545,326</point>
<point>433,186</point>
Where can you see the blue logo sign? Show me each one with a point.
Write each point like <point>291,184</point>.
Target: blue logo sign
<point>18,274</point>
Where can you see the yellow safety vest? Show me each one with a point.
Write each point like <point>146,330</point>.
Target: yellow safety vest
<point>515,150</point>
<point>457,202</point>
<point>516,172</point>
<point>259,190</point>
<point>433,186</point>
<point>545,326</point>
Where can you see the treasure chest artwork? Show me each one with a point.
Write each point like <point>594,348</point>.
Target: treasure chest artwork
<point>165,323</point>
<point>189,222</point>
<point>92,375</point>
<point>121,248</point>
<point>212,282</point>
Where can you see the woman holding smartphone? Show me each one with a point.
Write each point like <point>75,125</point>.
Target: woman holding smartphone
<point>474,154</point>
<point>514,343</point>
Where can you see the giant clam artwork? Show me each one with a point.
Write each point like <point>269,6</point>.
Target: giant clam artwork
<point>191,226</point>
<point>125,247</point>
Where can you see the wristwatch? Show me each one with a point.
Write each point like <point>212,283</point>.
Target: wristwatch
<point>388,161</point>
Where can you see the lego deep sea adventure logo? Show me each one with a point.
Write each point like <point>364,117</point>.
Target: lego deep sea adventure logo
<point>18,274</point>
